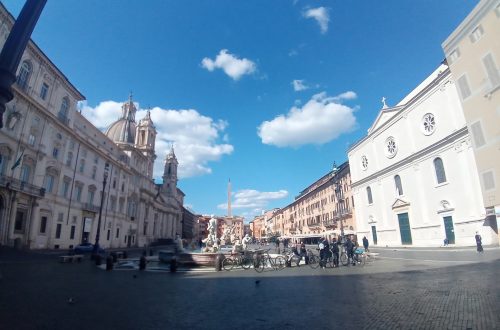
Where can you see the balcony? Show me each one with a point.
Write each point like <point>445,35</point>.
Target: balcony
<point>63,118</point>
<point>90,207</point>
<point>11,183</point>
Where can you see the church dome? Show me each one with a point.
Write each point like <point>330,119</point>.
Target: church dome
<point>123,130</point>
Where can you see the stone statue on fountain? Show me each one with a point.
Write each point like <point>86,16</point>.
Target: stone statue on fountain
<point>211,240</point>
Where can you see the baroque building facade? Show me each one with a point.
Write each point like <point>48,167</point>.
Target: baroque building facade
<point>53,162</point>
<point>473,54</point>
<point>414,175</point>
<point>324,209</point>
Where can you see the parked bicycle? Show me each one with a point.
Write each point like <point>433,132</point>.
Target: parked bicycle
<point>242,260</point>
<point>358,257</point>
<point>313,259</point>
<point>263,259</point>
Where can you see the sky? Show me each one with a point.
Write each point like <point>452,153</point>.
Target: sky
<point>266,94</point>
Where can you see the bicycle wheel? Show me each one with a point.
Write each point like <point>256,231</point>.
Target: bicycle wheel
<point>246,262</point>
<point>313,261</point>
<point>259,264</point>
<point>295,260</point>
<point>279,263</point>
<point>227,264</point>
<point>329,262</point>
<point>344,260</point>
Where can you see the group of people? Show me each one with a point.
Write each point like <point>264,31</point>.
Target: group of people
<point>327,249</point>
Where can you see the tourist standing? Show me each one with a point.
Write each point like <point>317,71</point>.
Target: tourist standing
<point>365,243</point>
<point>478,242</point>
<point>335,252</point>
<point>323,252</point>
<point>349,250</point>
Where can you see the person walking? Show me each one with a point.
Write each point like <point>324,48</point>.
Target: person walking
<point>478,242</point>
<point>349,250</point>
<point>365,244</point>
<point>324,248</point>
<point>335,252</point>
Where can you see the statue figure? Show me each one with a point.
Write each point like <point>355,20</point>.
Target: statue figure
<point>178,241</point>
<point>211,240</point>
<point>246,240</point>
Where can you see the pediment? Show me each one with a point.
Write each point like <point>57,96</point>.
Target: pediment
<point>400,203</point>
<point>383,116</point>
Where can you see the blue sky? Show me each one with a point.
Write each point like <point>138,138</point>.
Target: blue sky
<point>266,93</point>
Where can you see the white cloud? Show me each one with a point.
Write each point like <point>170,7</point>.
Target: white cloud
<point>253,199</point>
<point>299,85</point>
<point>321,16</point>
<point>230,64</point>
<point>198,140</point>
<point>319,121</point>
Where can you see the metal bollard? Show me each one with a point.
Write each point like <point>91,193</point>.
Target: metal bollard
<point>218,262</point>
<point>142,263</point>
<point>109,263</point>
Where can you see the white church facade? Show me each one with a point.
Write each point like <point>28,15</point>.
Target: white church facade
<point>414,177</point>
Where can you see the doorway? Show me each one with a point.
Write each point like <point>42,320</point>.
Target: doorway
<point>404,229</point>
<point>449,230</point>
<point>374,234</point>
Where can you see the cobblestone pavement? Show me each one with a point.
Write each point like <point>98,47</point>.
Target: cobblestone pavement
<point>409,294</point>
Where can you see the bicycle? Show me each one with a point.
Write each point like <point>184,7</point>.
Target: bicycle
<point>292,257</point>
<point>358,257</point>
<point>313,260</point>
<point>261,260</point>
<point>236,260</point>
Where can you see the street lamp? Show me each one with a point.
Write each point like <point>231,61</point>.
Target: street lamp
<point>338,193</point>
<point>98,233</point>
<point>14,47</point>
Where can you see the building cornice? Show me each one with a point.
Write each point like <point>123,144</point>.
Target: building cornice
<point>468,24</point>
<point>458,134</point>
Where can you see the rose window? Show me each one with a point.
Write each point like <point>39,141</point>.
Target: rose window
<point>428,124</point>
<point>390,147</point>
<point>364,162</point>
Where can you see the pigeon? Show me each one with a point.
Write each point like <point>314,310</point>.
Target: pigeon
<point>71,301</point>
<point>257,282</point>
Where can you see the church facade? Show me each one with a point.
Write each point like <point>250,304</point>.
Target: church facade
<point>414,177</point>
<point>53,162</point>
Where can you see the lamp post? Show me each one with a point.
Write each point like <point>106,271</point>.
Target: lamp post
<point>14,47</point>
<point>98,233</point>
<point>338,193</point>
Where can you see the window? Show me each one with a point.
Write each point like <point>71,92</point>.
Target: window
<point>58,230</point>
<point>390,147</point>
<point>25,173</point>
<point>94,172</point>
<point>60,217</point>
<point>49,183</point>
<point>20,219</point>
<point>117,232</point>
<point>114,183</point>
<point>491,70</point>
<point>477,134</point>
<point>454,55</point>
<point>369,194</point>
<point>65,188</point>
<point>476,34</point>
<point>439,168</point>
<point>109,233</point>
<point>69,158</point>
<point>72,232</point>
<point>82,165</point>
<point>3,161</point>
<point>78,191</point>
<point>364,162</point>
<point>96,160</point>
<point>63,111</point>
<point>44,91</point>
<point>43,225</point>
<point>428,124</point>
<point>31,140</point>
<point>399,186</point>
<point>488,180</point>
<point>90,197</point>
<point>463,87</point>
<point>24,75</point>
<point>55,152</point>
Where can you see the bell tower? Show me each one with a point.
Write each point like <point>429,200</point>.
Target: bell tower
<point>170,173</point>
<point>145,138</point>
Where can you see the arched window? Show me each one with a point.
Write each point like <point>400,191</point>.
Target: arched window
<point>439,168</point>
<point>63,112</point>
<point>24,75</point>
<point>399,186</point>
<point>369,194</point>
